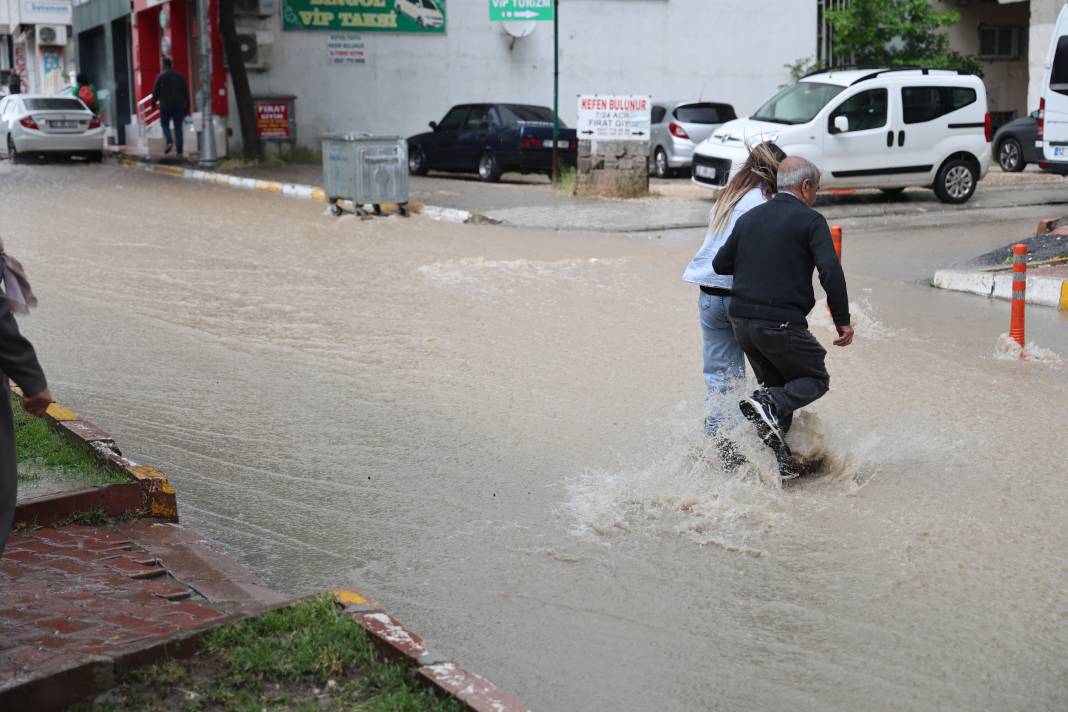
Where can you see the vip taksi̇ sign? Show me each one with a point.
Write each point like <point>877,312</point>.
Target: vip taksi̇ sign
<point>364,15</point>
<point>614,117</point>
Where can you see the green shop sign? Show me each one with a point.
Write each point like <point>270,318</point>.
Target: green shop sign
<point>511,10</point>
<point>364,15</point>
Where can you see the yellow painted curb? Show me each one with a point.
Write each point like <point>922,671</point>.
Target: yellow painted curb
<point>347,597</point>
<point>269,186</point>
<point>318,195</point>
<point>1064,294</point>
<point>59,413</point>
<point>169,170</point>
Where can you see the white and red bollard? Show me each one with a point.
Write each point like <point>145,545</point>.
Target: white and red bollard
<point>1019,294</point>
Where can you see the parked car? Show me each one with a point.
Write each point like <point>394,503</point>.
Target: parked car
<point>678,126</point>
<point>1014,144</point>
<point>424,12</point>
<point>868,128</point>
<point>490,139</point>
<point>40,124</point>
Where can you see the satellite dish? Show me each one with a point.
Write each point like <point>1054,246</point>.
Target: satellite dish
<point>519,29</point>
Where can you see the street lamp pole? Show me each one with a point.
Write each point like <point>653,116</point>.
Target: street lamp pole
<point>556,87</point>
<point>208,156</point>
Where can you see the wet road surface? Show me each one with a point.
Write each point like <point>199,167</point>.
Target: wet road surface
<point>496,433</point>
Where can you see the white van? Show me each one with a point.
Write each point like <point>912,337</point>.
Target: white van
<point>1053,106</point>
<point>868,128</point>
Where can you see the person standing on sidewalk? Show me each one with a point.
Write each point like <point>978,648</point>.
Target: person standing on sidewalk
<point>724,364</point>
<point>18,361</point>
<point>772,252</point>
<point>171,94</point>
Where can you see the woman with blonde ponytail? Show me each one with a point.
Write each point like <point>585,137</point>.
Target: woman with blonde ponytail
<point>724,362</point>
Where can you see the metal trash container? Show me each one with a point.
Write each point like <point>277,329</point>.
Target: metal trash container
<point>366,169</point>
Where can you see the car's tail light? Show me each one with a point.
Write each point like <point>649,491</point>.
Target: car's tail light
<point>988,127</point>
<point>94,123</point>
<point>28,122</point>
<point>677,131</point>
<point>574,144</point>
<point>530,144</point>
<point>1040,136</point>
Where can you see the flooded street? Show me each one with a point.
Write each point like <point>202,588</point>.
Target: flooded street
<point>496,433</point>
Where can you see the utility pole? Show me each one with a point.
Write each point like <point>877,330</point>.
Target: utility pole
<point>208,157</point>
<point>556,87</point>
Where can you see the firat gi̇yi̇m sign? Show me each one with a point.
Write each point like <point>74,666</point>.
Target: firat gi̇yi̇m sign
<point>614,117</point>
<point>426,16</point>
<point>274,119</point>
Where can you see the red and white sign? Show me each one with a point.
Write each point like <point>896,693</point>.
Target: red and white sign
<point>273,120</point>
<point>614,117</point>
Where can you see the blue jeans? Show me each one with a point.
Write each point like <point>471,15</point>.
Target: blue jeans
<point>724,360</point>
<point>166,116</point>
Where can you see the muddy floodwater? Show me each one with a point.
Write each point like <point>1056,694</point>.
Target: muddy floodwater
<point>496,433</point>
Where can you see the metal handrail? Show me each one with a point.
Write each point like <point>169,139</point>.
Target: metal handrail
<point>147,114</point>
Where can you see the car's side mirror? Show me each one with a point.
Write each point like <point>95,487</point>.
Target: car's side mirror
<point>841,124</point>
<point>434,125</point>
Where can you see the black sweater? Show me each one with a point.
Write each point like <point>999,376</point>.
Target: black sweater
<point>171,91</point>
<point>771,252</point>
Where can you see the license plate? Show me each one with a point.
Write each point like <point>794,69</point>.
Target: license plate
<point>706,172</point>
<point>548,143</point>
<point>1060,151</point>
<point>62,124</point>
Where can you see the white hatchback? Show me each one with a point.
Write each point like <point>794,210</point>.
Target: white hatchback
<point>424,12</point>
<point>43,124</point>
<point>868,128</point>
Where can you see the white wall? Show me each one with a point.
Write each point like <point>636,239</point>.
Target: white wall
<point>723,50</point>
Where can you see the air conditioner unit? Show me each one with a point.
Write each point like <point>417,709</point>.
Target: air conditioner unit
<point>258,8</point>
<point>51,35</point>
<point>256,48</point>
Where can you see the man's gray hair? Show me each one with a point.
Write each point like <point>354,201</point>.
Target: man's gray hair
<point>794,171</point>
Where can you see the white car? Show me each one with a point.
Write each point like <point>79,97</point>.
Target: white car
<point>1052,139</point>
<point>868,128</point>
<point>44,124</point>
<point>424,12</point>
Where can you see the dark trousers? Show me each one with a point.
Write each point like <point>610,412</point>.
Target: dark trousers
<point>167,114</point>
<point>9,475</point>
<point>787,361</point>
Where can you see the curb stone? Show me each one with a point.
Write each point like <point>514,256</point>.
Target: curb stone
<point>289,190</point>
<point>148,493</point>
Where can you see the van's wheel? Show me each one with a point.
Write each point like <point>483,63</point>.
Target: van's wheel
<point>417,164</point>
<point>488,168</point>
<point>956,181</point>
<point>661,169</point>
<point>1010,156</point>
<point>12,152</point>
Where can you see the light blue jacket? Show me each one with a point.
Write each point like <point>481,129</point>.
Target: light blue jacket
<point>700,271</point>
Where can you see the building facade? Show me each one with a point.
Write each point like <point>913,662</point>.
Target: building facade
<point>34,43</point>
<point>389,68</point>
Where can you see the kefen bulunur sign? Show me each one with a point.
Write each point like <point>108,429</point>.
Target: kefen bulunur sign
<point>611,117</point>
<point>364,15</point>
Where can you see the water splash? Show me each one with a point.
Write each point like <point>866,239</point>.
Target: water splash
<point>1007,349</point>
<point>862,316</point>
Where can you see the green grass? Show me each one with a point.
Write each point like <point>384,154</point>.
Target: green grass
<point>305,657</point>
<point>566,179</point>
<point>36,443</point>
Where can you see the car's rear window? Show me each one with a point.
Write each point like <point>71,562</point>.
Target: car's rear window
<point>513,113</point>
<point>928,103</point>
<point>704,113</point>
<point>53,104</point>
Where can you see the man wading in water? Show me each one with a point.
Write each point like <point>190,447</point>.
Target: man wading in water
<point>771,252</point>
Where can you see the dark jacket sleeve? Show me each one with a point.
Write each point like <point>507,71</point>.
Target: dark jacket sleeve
<point>155,91</point>
<point>18,360</point>
<point>830,269</point>
<point>185,93</point>
<point>723,262</point>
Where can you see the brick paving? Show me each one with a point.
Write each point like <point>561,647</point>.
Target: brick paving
<point>81,591</point>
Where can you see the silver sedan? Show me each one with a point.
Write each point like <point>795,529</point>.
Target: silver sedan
<point>678,126</point>
<point>43,124</point>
